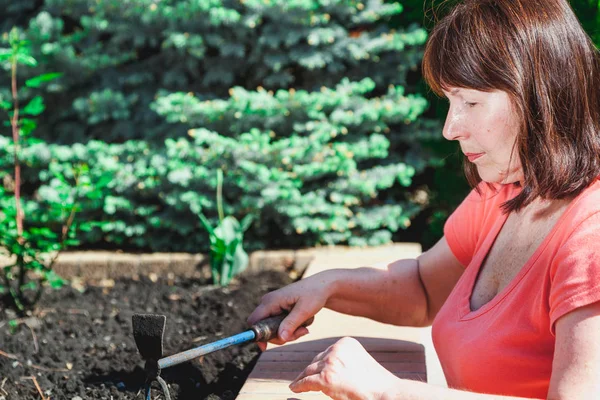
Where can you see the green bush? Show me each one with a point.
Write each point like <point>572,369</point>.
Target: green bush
<point>117,55</point>
<point>304,104</point>
<point>317,184</point>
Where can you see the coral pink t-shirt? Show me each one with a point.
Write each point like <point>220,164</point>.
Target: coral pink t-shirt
<point>506,347</point>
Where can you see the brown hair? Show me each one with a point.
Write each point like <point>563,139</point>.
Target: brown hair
<point>538,53</point>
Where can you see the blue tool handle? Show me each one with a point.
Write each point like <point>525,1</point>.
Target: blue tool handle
<point>262,331</point>
<point>207,348</point>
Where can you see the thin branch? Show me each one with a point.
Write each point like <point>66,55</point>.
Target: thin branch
<point>37,386</point>
<point>22,272</point>
<point>39,367</point>
<point>67,226</point>
<point>72,214</point>
<point>8,355</point>
<point>2,386</point>
<point>15,131</point>
<point>78,311</point>
<point>23,321</point>
<point>36,347</point>
<point>72,311</point>
<point>34,366</point>
<point>220,194</point>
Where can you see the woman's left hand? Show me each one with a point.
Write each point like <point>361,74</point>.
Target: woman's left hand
<point>345,371</point>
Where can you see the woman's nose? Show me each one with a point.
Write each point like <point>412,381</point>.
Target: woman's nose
<point>454,128</point>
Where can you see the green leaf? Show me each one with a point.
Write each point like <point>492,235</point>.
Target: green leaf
<point>55,281</point>
<point>240,261</point>
<point>35,106</point>
<point>5,54</point>
<point>71,242</point>
<point>27,60</point>
<point>206,224</point>
<point>38,80</point>
<point>226,267</point>
<point>29,286</point>
<point>85,227</point>
<point>246,221</point>
<point>228,229</point>
<point>27,126</point>
<point>13,36</point>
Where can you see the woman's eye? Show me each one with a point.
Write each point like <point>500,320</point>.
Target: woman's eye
<point>471,105</point>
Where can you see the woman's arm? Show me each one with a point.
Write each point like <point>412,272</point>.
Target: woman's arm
<point>393,294</point>
<point>404,292</point>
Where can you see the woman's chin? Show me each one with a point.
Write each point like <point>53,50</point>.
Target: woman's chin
<point>491,175</point>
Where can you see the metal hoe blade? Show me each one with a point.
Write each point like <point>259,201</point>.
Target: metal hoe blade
<point>148,332</point>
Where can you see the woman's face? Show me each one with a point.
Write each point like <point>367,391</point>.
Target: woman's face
<point>486,127</point>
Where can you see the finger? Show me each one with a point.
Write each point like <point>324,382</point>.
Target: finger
<point>312,383</point>
<point>320,356</point>
<point>313,369</point>
<point>298,334</point>
<point>299,314</point>
<point>262,346</point>
<point>264,311</point>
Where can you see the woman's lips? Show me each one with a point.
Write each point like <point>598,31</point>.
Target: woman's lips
<point>473,156</point>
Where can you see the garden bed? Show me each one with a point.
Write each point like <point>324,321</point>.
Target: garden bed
<point>81,344</point>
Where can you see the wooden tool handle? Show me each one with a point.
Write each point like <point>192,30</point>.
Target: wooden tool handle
<point>266,329</point>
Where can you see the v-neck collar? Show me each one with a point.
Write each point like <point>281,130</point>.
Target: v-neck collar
<point>477,262</point>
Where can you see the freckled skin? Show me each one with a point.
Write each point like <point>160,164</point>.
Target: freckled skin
<point>485,122</point>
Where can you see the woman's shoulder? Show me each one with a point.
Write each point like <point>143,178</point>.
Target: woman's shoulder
<point>585,205</point>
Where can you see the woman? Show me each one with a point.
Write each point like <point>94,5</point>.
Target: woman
<point>512,290</point>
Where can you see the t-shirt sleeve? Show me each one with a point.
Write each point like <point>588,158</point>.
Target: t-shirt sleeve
<point>575,270</point>
<point>463,227</point>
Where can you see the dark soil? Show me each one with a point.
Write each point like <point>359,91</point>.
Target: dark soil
<point>83,344</point>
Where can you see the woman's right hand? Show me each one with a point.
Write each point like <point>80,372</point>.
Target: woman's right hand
<point>302,299</point>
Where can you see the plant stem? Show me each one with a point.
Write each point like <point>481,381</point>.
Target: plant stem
<point>18,295</point>
<point>66,226</point>
<point>220,194</point>
<point>20,299</point>
<point>11,291</point>
<point>15,131</point>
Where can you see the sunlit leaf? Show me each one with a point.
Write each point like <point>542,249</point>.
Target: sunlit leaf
<point>38,80</point>
<point>5,54</point>
<point>26,59</point>
<point>35,106</point>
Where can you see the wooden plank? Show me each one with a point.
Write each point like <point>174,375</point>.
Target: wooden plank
<point>307,356</point>
<point>298,366</point>
<point>369,343</point>
<point>291,375</point>
<point>279,383</point>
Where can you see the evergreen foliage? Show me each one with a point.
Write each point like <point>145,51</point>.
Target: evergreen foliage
<point>304,104</point>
